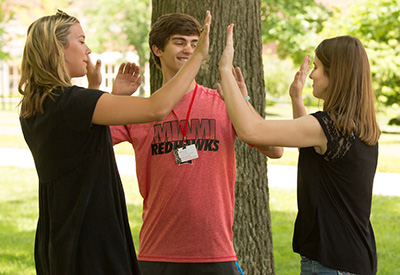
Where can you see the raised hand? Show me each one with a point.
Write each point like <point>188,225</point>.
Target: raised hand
<point>237,72</point>
<point>128,79</point>
<point>226,60</point>
<point>204,40</point>
<point>296,88</point>
<point>93,74</point>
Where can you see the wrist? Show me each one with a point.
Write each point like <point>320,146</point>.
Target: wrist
<point>92,86</point>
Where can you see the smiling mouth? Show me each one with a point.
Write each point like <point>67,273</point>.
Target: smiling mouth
<point>183,59</point>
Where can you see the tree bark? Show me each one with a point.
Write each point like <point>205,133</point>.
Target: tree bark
<point>252,225</point>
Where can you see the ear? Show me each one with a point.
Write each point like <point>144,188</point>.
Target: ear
<point>156,50</point>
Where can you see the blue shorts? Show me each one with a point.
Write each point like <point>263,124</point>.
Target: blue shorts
<point>166,268</point>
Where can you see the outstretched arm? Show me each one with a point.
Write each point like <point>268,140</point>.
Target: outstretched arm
<point>270,151</point>
<point>118,110</point>
<point>302,132</point>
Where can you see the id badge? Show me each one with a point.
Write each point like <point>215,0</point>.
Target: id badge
<point>188,153</point>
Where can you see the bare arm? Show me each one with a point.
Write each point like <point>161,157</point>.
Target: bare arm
<point>269,151</point>
<point>302,132</point>
<point>116,110</point>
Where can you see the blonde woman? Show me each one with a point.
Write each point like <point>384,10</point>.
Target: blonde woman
<point>83,224</point>
<point>337,159</point>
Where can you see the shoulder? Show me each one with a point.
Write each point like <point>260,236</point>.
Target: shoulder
<point>338,143</point>
<point>82,92</point>
<point>208,92</point>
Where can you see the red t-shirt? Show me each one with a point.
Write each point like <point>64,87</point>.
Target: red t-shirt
<point>188,208</point>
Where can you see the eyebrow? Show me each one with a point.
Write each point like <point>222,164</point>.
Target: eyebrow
<point>183,39</point>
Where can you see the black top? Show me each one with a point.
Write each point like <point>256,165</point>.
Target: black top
<point>334,200</point>
<point>83,224</point>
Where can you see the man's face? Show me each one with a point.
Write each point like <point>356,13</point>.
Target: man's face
<point>176,52</point>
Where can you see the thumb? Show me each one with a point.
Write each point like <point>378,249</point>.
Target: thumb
<point>98,66</point>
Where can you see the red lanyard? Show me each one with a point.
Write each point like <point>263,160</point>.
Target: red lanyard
<point>184,130</point>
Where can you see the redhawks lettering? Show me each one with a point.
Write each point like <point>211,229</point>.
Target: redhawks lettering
<point>168,136</point>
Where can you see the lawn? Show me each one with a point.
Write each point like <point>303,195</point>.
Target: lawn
<point>18,205</point>
<point>18,208</point>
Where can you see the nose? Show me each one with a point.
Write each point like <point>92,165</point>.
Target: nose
<point>88,50</point>
<point>311,74</point>
<point>188,48</point>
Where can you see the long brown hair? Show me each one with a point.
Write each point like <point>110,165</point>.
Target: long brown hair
<point>350,98</point>
<point>43,66</point>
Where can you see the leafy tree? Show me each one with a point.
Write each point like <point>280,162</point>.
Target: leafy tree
<point>6,14</point>
<point>375,23</point>
<point>121,25</point>
<point>293,26</point>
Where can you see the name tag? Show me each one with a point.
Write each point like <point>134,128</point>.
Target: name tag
<point>189,153</point>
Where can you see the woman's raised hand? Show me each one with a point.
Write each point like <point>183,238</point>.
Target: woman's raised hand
<point>226,60</point>
<point>296,88</point>
<point>128,79</point>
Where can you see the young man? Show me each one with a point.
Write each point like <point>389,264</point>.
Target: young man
<point>189,195</point>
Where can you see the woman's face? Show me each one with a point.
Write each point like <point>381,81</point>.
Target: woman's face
<point>76,52</point>
<point>320,80</point>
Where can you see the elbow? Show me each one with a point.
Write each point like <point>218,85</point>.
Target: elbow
<point>276,153</point>
<point>245,137</point>
<point>160,113</point>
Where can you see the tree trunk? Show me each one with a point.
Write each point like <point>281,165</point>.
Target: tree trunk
<point>252,225</point>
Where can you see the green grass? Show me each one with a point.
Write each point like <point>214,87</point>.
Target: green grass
<point>385,219</point>
<point>19,213</point>
<point>19,207</point>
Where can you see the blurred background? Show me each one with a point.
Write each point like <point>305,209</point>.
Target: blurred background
<point>117,31</point>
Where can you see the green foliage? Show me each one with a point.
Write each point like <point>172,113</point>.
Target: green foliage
<point>375,23</point>
<point>120,25</point>
<point>6,14</point>
<point>278,74</point>
<point>293,26</point>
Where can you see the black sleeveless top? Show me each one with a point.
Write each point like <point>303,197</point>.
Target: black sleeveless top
<point>334,202</point>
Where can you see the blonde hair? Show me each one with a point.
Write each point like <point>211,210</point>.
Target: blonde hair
<point>350,99</point>
<point>43,66</point>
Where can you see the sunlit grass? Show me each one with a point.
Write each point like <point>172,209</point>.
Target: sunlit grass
<point>19,213</point>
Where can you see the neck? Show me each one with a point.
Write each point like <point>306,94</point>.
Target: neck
<point>167,77</point>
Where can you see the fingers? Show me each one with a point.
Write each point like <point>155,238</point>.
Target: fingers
<point>129,68</point>
<point>239,75</point>
<point>229,36</point>
<point>220,91</point>
<point>98,66</point>
<point>305,65</point>
<point>207,22</point>
<point>121,68</point>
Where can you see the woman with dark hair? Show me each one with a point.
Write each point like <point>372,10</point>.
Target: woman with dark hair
<point>83,224</point>
<point>337,158</point>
